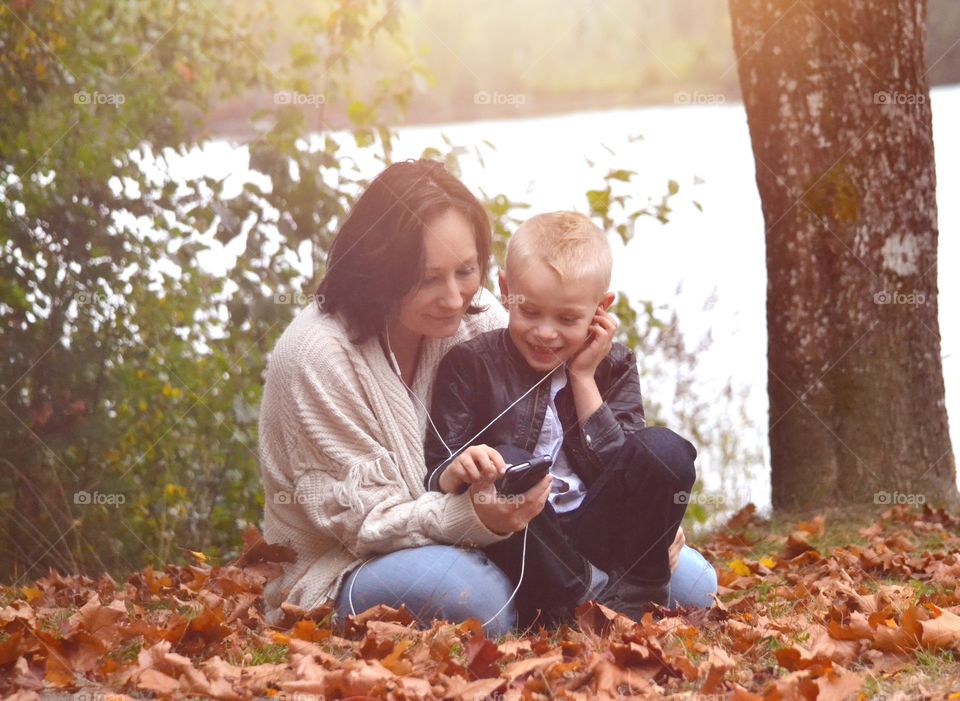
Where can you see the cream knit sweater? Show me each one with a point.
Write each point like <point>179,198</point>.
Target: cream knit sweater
<point>341,456</point>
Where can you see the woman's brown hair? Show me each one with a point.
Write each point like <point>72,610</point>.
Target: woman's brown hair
<point>377,256</point>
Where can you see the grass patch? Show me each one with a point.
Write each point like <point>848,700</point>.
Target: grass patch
<point>55,620</point>
<point>271,653</point>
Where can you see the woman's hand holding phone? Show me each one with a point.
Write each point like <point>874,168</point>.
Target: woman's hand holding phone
<point>505,514</point>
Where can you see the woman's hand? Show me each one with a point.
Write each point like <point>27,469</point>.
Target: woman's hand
<point>509,513</point>
<point>476,464</point>
<point>675,549</point>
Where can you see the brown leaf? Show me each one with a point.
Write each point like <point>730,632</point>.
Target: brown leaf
<point>10,648</point>
<point>815,527</point>
<point>598,620</point>
<point>256,549</point>
<point>59,671</point>
<point>24,677</point>
<point>101,621</point>
<point>375,648</point>
<point>480,690</point>
<point>381,612</point>
<point>634,655</point>
<point>395,662</point>
<point>471,627</point>
<point>515,647</point>
<point>155,583</point>
<point>796,544</point>
<point>901,543</point>
<point>22,695</point>
<point>941,631</point>
<point>903,637</point>
<point>608,679</point>
<point>826,647</point>
<point>741,694</point>
<point>21,612</point>
<point>839,684</point>
<point>713,669</point>
<point>482,656</point>
<point>355,678</point>
<point>152,680</point>
<point>743,518</point>
<point>521,667</point>
<point>307,630</point>
<point>796,685</point>
<point>304,654</point>
<point>856,628</point>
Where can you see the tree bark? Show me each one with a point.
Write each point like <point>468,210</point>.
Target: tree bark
<point>838,104</point>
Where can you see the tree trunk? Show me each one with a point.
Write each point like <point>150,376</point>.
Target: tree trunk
<point>838,104</point>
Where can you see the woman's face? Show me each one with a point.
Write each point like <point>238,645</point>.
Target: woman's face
<point>451,278</point>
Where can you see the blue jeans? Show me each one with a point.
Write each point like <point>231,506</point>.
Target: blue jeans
<point>454,584</point>
<point>434,581</point>
<point>694,582</point>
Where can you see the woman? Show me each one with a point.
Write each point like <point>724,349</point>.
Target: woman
<point>343,417</point>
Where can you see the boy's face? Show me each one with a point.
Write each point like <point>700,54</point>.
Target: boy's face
<point>549,318</point>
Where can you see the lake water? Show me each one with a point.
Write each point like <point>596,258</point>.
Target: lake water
<point>550,162</point>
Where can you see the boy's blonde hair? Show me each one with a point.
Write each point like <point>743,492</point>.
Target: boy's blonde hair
<point>568,242</point>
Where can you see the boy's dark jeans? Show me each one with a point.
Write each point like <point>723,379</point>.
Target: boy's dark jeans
<point>625,526</point>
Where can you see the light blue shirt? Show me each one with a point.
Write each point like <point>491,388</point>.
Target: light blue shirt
<point>567,490</point>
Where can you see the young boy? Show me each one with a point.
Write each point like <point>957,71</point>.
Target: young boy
<point>614,508</point>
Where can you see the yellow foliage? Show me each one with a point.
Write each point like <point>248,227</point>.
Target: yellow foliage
<point>739,568</point>
<point>31,593</point>
<point>173,392</point>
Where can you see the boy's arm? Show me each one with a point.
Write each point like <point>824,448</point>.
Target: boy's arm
<point>619,407</point>
<point>452,411</point>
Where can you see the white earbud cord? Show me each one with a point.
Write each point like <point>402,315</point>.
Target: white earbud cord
<point>469,441</point>
<point>523,556</point>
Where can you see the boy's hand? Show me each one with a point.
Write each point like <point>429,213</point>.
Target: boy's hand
<point>599,342</point>
<point>476,464</point>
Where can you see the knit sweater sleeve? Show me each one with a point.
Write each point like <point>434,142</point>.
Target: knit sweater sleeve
<point>348,483</point>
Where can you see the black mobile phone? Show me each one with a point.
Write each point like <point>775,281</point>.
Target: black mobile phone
<point>522,476</point>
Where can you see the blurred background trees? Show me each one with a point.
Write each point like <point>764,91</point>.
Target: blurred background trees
<point>131,369</point>
<point>573,55</point>
<point>140,295</point>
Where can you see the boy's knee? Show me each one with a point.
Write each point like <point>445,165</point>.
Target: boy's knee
<point>683,462</point>
<point>672,455</point>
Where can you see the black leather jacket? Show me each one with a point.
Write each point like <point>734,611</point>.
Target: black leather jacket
<point>478,379</point>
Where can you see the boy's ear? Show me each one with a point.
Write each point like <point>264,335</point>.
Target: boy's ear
<point>607,300</point>
<point>502,277</point>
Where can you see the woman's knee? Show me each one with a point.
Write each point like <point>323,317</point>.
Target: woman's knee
<point>477,588</point>
<point>433,581</point>
<point>694,582</point>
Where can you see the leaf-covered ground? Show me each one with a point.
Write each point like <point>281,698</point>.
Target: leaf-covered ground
<point>815,609</point>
